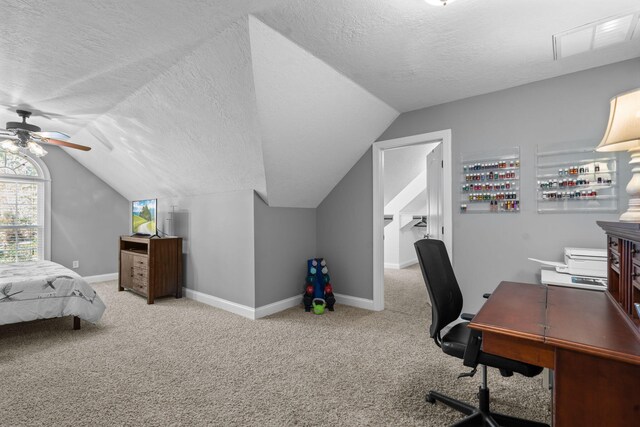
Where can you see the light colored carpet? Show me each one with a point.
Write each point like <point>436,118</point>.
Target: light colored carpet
<point>180,362</point>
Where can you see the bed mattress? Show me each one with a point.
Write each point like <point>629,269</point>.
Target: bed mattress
<point>44,290</point>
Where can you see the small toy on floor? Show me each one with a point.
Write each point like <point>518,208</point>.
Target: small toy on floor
<point>318,305</point>
<point>318,291</point>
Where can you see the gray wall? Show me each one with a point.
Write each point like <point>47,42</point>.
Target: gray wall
<point>218,235</point>
<point>575,107</point>
<point>87,216</point>
<point>345,231</point>
<point>491,248</point>
<point>285,238</point>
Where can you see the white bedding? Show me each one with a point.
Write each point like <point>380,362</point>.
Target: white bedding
<point>44,290</point>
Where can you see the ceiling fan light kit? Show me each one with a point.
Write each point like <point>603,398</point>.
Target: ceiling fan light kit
<point>36,149</point>
<point>23,136</point>
<point>10,146</point>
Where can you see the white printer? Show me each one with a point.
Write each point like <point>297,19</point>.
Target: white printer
<point>582,268</point>
<point>584,262</point>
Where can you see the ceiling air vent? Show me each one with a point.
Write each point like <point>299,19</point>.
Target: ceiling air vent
<point>596,35</point>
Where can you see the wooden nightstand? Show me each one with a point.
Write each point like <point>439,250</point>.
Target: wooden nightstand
<point>151,267</point>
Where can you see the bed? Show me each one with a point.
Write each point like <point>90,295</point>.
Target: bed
<point>46,290</point>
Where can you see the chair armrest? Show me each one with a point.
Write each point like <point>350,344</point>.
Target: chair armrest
<point>467,316</point>
<point>486,296</point>
<point>472,351</point>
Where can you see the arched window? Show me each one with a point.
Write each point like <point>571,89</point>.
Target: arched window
<point>24,188</point>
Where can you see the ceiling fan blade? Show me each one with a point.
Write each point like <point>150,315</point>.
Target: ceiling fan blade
<point>54,135</point>
<point>68,144</point>
<point>6,132</point>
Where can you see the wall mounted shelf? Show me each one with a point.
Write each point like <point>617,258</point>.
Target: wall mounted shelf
<point>490,182</point>
<point>577,179</point>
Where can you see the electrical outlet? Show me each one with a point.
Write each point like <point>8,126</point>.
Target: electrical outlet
<point>76,264</point>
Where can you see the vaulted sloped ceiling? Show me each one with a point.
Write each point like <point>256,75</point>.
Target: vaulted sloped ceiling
<point>162,90</point>
<point>191,130</point>
<point>186,97</point>
<point>315,122</point>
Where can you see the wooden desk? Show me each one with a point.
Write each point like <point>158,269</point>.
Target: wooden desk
<point>592,347</point>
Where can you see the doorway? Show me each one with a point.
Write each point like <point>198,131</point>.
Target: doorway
<point>417,208</point>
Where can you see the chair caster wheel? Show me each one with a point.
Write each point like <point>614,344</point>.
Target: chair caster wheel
<point>430,399</point>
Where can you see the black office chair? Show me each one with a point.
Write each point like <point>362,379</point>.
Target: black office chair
<point>461,341</point>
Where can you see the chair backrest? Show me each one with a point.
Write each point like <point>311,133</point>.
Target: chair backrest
<point>446,298</point>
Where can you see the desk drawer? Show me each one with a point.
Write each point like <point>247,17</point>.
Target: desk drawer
<point>635,252</point>
<point>614,259</point>
<point>613,243</point>
<point>521,349</point>
<point>635,274</point>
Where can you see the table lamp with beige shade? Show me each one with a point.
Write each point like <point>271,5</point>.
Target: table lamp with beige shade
<point>623,134</point>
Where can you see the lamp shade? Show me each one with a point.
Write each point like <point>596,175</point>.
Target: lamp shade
<point>623,130</point>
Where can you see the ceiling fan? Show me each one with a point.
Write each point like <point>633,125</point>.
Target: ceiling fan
<point>25,136</point>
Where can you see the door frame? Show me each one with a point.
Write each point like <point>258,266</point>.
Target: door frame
<point>444,136</point>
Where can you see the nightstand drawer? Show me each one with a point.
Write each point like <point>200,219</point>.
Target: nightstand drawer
<point>140,261</point>
<point>140,275</point>
<point>139,272</point>
<point>140,284</point>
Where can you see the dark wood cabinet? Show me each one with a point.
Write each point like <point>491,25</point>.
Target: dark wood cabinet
<point>623,251</point>
<point>151,267</point>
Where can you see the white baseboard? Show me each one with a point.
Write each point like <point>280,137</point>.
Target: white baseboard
<point>408,263</point>
<point>401,265</point>
<point>295,301</point>
<point>266,310</point>
<point>278,306</point>
<point>242,310</point>
<point>101,278</point>
<point>358,302</point>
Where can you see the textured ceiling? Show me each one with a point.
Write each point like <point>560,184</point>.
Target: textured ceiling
<point>412,55</point>
<point>191,130</point>
<point>185,97</point>
<point>161,90</point>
